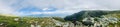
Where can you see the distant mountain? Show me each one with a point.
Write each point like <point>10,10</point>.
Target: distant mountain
<point>89,13</point>
<point>48,15</point>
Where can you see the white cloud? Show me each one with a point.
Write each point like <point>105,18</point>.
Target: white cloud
<point>77,4</point>
<point>36,13</point>
<point>4,8</point>
<point>114,4</point>
<point>63,6</point>
<point>45,9</point>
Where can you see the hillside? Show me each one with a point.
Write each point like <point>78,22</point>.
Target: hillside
<point>8,21</point>
<point>106,18</point>
<point>89,13</point>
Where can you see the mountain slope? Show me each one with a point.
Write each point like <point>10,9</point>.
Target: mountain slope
<point>89,13</point>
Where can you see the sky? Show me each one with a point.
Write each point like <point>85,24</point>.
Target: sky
<point>54,7</point>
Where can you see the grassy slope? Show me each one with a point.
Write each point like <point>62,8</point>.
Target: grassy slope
<point>26,21</point>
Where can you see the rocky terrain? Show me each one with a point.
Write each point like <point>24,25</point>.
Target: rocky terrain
<point>80,19</point>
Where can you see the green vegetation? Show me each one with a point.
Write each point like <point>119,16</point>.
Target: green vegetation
<point>8,21</point>
<point>14,21</point>
<point>59,19</point>
<point>95,14</point>
<point>83,14</point>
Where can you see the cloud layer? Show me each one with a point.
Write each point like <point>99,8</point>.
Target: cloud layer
<point>55,7</point>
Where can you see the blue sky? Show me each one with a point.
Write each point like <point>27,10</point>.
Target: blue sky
<point>54,7</point>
